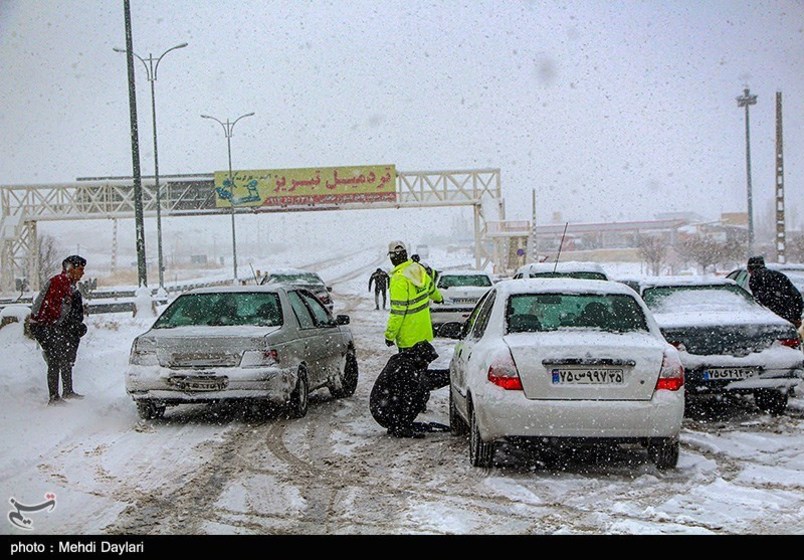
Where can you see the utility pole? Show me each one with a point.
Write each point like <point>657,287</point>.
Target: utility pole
<point>142,272</point>
<point>781,239</point>
<point>746,100</point>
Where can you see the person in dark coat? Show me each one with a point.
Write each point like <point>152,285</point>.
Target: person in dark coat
<point>380,280</point>
<point>775,291</point>
<point>57,324</point>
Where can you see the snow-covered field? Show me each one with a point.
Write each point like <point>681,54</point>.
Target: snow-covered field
<point>210,470</point>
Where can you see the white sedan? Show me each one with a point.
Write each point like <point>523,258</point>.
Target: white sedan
<point>566,361</point>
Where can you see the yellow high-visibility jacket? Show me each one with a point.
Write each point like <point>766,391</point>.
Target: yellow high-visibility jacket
<point>410,294</point>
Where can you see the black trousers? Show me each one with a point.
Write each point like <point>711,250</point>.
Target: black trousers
<point>59,348</point>
<point>377,298</point>
<point>403,387</point>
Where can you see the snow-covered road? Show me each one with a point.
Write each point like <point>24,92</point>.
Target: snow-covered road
<point>213,470</point>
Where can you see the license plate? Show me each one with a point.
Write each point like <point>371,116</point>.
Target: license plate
<point>200,384</point>
<point>587,376</point>
<point>728,374</point>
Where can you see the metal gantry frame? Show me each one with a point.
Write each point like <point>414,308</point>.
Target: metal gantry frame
<point>23,206</point>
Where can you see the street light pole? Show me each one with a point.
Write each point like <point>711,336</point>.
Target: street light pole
<point>151,66</point>
<point>747,100</point>
<point>227,130</point>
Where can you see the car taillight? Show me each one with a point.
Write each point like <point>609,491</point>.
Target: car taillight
<point>671,376</point>
<point>790,342</point>
<point>259,358</point>
<point>503,372</point>
<point>679,345</point>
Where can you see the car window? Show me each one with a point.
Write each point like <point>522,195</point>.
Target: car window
<point>455,280</point>
<point>480,316</point>
<point>301,311</point>
<point>296,278</point>
<point>222,309</point>
<point>664,299</point>
<point>320,313</point>
<point>551,312</point>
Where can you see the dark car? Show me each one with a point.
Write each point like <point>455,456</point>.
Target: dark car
<point>304,279</point>
<point>728,343</point>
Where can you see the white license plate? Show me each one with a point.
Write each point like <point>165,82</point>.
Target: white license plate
<point>587,376</point>
<point>728,374</point>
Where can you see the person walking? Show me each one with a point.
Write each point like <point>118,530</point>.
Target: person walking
<point>775,291</point>
<point>401,390</point>
<point>380,280</point>
<point>57,324</point>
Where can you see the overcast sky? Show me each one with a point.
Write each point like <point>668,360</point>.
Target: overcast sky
<point>609,110</point>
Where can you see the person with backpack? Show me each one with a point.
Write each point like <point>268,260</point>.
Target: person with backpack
<point>57,324</point>
<point>775,291</point>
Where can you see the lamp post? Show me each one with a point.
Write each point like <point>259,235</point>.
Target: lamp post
<point>746,100</point>
<point>151,66</point>
<point>227,130</point>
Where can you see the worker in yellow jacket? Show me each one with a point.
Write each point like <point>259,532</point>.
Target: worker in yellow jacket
<point>411,289</point>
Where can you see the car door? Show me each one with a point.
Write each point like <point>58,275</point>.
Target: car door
<point>474,329</point>
<point>314,356</point>
<point>327,342</point>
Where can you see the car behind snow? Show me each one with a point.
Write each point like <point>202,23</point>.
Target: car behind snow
<point>304,278</point>
<point>566,269</point>
<point>728,343</point>
<point>461,290</point>
<point>565,361</point>
<point>265,344</point>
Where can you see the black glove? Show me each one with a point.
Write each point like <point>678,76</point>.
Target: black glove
<point>389,342</point>
<point>82,329</point>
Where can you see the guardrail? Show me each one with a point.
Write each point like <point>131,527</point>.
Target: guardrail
<point>98,300</point>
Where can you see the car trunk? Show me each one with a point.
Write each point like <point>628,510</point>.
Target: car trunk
<point>195,349</point>
<point>575,366</point>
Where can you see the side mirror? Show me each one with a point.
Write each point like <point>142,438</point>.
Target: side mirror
<point>451,330</point>
<point>342,320</point>
<point>329,288</point>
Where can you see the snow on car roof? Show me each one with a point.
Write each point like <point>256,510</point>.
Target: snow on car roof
<point>698,280</point>
<point>235,289</point>
<point>464,272</point>
<point>566,266</point>
<point>561,285</point>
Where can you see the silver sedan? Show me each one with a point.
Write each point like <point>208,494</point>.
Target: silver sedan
<point>268,344</point>
<point>565,361</point>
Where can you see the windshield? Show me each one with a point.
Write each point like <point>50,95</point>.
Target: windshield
<point>666,299</point>
<point>222,309</point>
<point>453,281</point>
<point>552,312</point>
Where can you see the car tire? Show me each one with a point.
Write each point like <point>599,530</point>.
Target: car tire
<point>481,453</point>
<point>348,377</point>
<point>456,424</point>
<point>663,452</point>
<point>147,410</point>
<point>772,401</point>
<point>300,397</point>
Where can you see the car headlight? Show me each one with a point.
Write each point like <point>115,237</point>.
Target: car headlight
<point>143,352</point>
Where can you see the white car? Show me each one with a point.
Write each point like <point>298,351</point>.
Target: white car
<point>269,344</point>
<point>566,269</point>
<point>461,290</point>
<point>567,361</point>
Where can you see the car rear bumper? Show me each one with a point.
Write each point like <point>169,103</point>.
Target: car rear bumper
<point>514,415</point>
<point>159,384</point>
<point>769,379</point>
<point>439,316</point>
